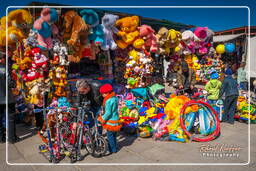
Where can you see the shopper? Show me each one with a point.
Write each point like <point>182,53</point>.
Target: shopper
<point>213,88</point>
<point>242,77</point>
<point>12,137</point>
<point>110,117</point>
<point>186,78</point>
<point>89,92</point>
<point>230,89</point>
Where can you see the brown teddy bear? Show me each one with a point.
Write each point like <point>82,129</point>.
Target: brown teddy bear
<point>127,31</point>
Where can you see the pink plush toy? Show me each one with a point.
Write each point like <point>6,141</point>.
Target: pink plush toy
<point>45,27</point>
<point>147,33</point>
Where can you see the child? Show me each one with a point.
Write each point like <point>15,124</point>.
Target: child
<point>213,88</point>
<point>110,117</point>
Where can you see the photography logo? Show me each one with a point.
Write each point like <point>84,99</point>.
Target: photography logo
<point>220,150</point>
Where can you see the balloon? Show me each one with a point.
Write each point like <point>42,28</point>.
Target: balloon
<point>230,47</point>
<point>220,49</point>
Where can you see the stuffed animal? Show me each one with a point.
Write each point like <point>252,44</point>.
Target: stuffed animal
<point>109,28</point>
<point>161,39</point>
<point>75,26</point>
<point>18,21</point>
<point>187,44</point>
<point>127,31</point>
<point>40,61</point>
<point>96,33</point>
<point>60,53</point>
<point>147,33</point>
<point>32,39</point>
<point>45,27</point>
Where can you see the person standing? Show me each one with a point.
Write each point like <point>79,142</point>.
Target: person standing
<point>242,77</point>
<point>110,118</point>
<point>12,137</point>
<point>230,89</point>
<point>213,88</point>
<point>186,78</point>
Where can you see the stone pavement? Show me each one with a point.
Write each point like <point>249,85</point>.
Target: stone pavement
<point>139,150</point>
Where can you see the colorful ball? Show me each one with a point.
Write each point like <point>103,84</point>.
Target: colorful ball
<point>220,49</point>
<point>230,47</point>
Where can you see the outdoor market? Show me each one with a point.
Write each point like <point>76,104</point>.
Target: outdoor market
<point>81,75</point>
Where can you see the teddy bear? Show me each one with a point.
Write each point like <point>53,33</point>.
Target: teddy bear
<point>172,40</point>
<point>147,33</point>
<point>187,44</point>
<point>127,31</point>
<point>45,28</point>
<point>161,39</point>
<point>18,21</point>
<point>96,33</point>
<point>202,36</point>
<point>109,28</point>
<point>75,26</point>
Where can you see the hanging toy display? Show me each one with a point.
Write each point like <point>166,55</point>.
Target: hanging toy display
<point>45,28</point>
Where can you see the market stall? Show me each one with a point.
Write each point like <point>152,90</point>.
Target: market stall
<point>50,49</point>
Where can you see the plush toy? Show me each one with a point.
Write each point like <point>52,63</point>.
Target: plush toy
<point>18,21</point>
<point>187,44</point>
<point>173,38</point>
<point>109,28</point>
<point>31,75</point>
<point>75,26</point>
<point>40,61</point>
<point>161,39</point>
<point>45,27</point>
<point>127,31</point>
<point>147,33</point>
<point>96,33</point>
<point>60,53</point>
<point>14,35</point>
<point>32,39</point>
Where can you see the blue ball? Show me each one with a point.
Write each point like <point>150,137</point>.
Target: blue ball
<point>230,47</point>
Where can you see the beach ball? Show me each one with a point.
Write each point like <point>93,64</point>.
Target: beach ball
<point>220,49</point>
<point>230,47</point>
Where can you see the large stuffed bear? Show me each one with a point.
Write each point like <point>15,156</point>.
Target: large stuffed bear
<point>74,26</point>
<point>18,22</point>
<point>45,27</point>
<point>147,33</point>
<point>96,33</point>
<point>127,31</point>
<point>161,40</point>
<point>108,24</point>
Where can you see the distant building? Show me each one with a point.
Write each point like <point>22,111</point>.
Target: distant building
<point>239,30</point>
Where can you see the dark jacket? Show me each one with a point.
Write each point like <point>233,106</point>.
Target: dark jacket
<point>229,87</point>
<point>93,95</point>
<point>3,87</point>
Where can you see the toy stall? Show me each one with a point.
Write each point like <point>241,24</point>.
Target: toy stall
<point>50,49</point>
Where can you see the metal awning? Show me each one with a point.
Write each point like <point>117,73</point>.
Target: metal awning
<point>224,38</point>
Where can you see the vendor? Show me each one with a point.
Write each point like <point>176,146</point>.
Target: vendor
<point>186,77</point>
<point>12,137</point>
<point>89,92</point>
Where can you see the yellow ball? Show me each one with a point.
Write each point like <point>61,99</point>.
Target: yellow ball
<point>220,49</point>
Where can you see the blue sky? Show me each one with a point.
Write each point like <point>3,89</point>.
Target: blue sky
<point>215,18</point>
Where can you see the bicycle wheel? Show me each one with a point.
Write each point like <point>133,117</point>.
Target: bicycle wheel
<point>65,138</point>
<point>204,125</point>
<point>88,143</point>
<point>101,146</point>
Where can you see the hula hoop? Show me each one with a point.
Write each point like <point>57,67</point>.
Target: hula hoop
<point>207,138</point>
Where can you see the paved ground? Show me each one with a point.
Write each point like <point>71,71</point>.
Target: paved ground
<point>138,150</point>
